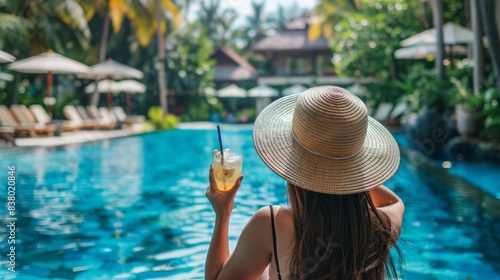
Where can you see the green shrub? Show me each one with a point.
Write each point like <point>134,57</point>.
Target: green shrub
<point>170,121</point>
<point>200,108</point>
<point>161,121</point>
<point>423,89</point>
<point>491,112</point>
<point>464,96</point>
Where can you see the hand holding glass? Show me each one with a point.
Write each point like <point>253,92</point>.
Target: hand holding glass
<point>227,169</point>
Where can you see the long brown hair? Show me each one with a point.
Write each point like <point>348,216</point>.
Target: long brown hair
<point>339,237</point>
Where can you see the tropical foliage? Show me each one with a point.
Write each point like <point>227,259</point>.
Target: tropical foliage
<point>27,29</point>
<point>159,121</point>
<point>363,36</point>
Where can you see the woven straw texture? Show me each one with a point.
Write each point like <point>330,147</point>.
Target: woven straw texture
<point>323,140</point>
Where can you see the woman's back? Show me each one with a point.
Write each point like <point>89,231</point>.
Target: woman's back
<point>341,222</point>
<point>331,239</point>
<point>285,241</point>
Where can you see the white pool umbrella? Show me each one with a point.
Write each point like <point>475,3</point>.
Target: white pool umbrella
<point>6,57</point>
<point>6,77</point>
<point>262,96</point>
<point>263,91</point>
<point>232,91</point>
<point>130,87</point>
<point>423,51</point>
<point>49,63</point>
<point>453,34</point>
<point>112,70</point>
<point>103,86</point>
<point>297,88</point>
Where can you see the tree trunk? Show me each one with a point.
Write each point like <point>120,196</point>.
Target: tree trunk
<point>102,48</point>
<point>437,11</point>
<point>487,8</point>
<point>105,35</point>
<point>161,60</point>
<point>477,47</point>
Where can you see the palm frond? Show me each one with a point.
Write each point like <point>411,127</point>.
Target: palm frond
<point>117,11</point>
<point>72,13</point>
<point>13,30</point>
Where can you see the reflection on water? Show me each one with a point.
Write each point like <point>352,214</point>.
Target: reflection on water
<point>135,208</point>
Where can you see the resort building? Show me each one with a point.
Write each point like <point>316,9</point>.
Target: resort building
<point>294,59</point>
<point>231,68</point>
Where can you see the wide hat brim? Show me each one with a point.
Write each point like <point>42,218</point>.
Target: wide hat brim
<point>373,165</point>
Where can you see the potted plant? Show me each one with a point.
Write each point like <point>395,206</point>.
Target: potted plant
<point>467,108</point>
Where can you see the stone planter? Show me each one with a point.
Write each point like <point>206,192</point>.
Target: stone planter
<point>468,123</point>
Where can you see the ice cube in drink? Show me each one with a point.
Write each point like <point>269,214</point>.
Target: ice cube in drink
<point>227,169</point>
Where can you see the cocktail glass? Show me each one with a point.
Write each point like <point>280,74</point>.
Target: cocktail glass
<point>227,168</point>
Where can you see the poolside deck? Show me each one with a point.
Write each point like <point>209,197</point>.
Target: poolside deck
<point>86,136</point>
<point>76,137</point>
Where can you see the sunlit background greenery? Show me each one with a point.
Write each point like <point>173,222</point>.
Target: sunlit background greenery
<point>363,36</point>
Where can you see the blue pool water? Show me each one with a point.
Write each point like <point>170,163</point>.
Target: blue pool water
<point>482,174</point>
<point>134,208</point>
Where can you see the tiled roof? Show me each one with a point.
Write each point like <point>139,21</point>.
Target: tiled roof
<point>290,40</point>
<point>232,67</point>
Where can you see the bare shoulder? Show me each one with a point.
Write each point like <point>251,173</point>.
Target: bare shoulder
<point>282,215</point>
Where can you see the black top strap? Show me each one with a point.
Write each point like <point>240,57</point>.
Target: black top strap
<point>275,248</point>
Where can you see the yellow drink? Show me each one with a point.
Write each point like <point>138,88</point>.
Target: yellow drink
<point>227,170</point>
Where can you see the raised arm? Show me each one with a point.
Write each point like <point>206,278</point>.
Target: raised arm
<point>252,253</point>
<point>222,203</point>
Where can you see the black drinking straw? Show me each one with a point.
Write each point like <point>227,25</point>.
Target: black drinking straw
<point>220,145</point>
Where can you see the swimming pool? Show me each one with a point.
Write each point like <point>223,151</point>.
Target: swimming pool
<point>134,208</point>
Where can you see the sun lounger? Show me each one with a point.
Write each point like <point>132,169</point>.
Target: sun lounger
<point>24,117</point>
<point>41,116</point>
<point>108,117</point>
<point>7,133</point>
<point>23,126</point>
<point>126,119</point>
<point>83,113</point>
<point>89,117</point>
<point>104,122</point>
<point>71,113</point>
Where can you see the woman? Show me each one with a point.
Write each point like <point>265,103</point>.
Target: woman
<point>342,221</point>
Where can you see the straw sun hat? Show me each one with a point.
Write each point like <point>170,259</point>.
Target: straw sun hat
<point>323,140</point>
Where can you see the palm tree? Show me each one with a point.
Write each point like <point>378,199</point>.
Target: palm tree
<point>32,27</point>
<point>50,24</point>
<point>477,46</point>
<point>147,19</point>
<point>256,22</point>
<point>328,13</point>
<point>13,28</point>
<point>217,22</point>
<point>437,11</point>
<point>489,24</point>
